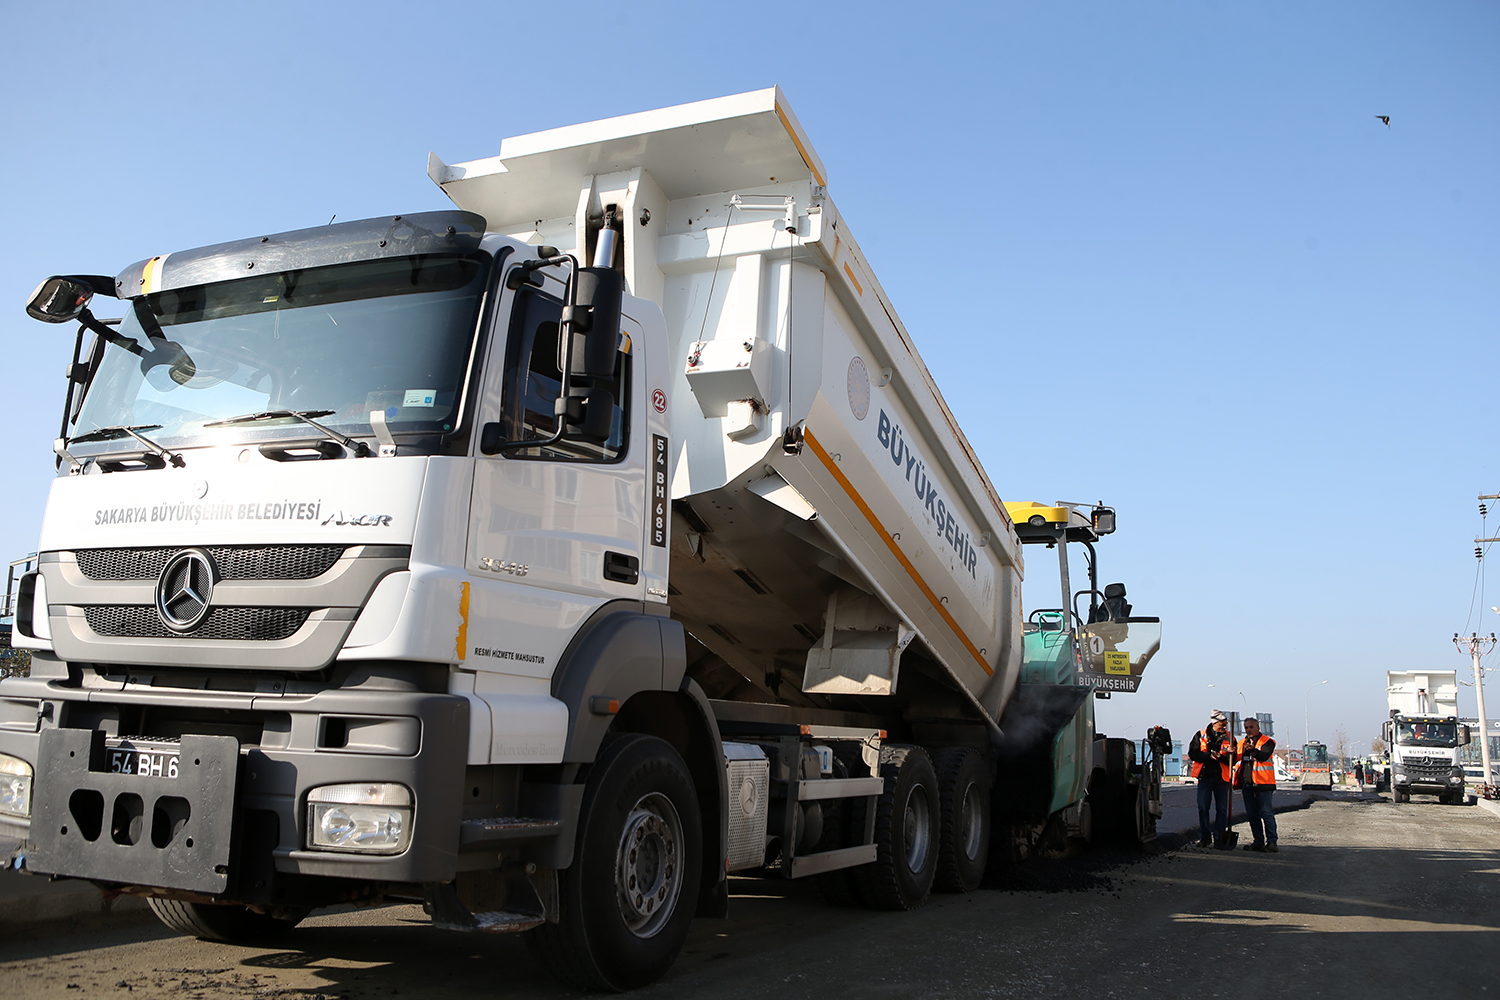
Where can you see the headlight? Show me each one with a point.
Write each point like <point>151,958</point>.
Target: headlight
<point>368,818</point>
<point>15,786</point>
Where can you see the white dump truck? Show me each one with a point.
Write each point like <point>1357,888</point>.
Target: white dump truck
<point>1424,734</point>
<point>417,559</point>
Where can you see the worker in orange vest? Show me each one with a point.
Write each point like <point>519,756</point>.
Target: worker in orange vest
<point>1212,754</point>
<point>1256,778</point>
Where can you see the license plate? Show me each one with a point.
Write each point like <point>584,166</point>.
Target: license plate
<point>147,761</point>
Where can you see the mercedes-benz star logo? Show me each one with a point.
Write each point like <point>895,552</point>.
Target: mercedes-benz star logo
<point>184,590</point>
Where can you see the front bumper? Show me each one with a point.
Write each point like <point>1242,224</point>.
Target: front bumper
<point>1429,784</point>
<point>235,821</point>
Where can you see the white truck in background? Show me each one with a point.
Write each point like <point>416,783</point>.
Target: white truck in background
<point>415,559</point>
<point>1424,734</point>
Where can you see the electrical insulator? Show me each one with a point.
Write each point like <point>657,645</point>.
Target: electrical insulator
<point>1478,552</point>
<point>1484,511</point>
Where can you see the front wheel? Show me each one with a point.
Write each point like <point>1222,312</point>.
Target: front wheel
<point>224,921</point>
<point>627,900</point>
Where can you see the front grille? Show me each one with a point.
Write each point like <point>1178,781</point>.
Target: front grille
<point>137,621</point>
<point>1428,772</point>
<point>234,562</point>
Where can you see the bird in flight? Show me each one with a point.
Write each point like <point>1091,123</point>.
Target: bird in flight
<point>1386,119</point>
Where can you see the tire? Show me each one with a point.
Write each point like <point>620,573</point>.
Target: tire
<point>639,823</point>
<point>906,832</point>
<point>964,814</point>
<point>1145,823</point>
<point>224,922</point>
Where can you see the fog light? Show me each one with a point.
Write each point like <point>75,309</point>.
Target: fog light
<point>15,786</point>
<point>368,818</point>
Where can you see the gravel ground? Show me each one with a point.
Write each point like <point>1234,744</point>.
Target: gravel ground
<point>1359,888</point>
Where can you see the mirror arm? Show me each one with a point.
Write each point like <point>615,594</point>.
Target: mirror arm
<point>147,319</point>
<point>565,332</point>
<point>109,335</point>
<point>62,432</point>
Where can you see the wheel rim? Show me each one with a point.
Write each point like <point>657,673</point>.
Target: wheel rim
<point>648,867</point>
<point>917,829</point>
<point>972,821</point>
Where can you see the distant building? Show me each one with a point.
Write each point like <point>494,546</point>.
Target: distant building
<point>1473,754</point>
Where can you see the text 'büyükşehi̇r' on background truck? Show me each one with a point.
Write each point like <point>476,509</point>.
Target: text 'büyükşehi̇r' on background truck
<point>415,560</point>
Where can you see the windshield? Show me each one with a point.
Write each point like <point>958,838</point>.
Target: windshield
<point>392,335</point>
<point>1427,734</point>
<point>1315,754</point>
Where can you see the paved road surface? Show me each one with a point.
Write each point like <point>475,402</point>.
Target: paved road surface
<point>1361,888</point>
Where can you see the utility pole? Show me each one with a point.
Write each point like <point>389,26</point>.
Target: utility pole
<point>1474,642</point>
<point>1477,646</point>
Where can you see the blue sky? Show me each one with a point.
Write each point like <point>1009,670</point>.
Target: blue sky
<point>1158,254</point>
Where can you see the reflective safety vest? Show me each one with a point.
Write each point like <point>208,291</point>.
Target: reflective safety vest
<point>1200,742</point>
<point>1262,772</point>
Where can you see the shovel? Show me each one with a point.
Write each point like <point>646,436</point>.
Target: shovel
<point>1227,840</point>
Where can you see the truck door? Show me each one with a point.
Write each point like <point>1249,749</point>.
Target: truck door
<point>554,531</point>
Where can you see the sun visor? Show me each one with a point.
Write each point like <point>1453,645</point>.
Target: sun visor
<point>345,242</point>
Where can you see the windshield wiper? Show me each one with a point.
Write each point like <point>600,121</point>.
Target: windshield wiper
<point>360,449</point>
<point>115,433</point>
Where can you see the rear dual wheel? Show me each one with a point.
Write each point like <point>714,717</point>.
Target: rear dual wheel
<point>964,814</point>
<point>906,832</point>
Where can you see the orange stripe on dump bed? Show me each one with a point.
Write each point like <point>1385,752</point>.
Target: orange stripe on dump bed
<point>890,543</point>
<point>798,143</point>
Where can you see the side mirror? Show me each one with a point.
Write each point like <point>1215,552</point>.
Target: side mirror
<point>58,300</point>
<point>1463,736</point>
<point>1104,520</point>
<point>595,321</point>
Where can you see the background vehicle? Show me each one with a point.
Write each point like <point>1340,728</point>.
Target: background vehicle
<point>1424,734</point>
<point>413,559</point>
<point>1474,780</point>
<point>1315,771</point>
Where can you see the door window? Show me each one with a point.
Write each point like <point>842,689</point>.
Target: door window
<point>532,380</point>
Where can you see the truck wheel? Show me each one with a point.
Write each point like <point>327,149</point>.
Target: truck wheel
<point>964,811</point>
<point>906,832</point>
<point>1145,823</point>
<point>628,898</point>
<point>224,921</point>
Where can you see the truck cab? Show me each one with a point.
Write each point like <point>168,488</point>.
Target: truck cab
<point>1424,757</point>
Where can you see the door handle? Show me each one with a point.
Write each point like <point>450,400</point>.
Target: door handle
<point>621,568</point>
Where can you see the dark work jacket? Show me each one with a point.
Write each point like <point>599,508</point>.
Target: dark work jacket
<point>1212,771</point>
